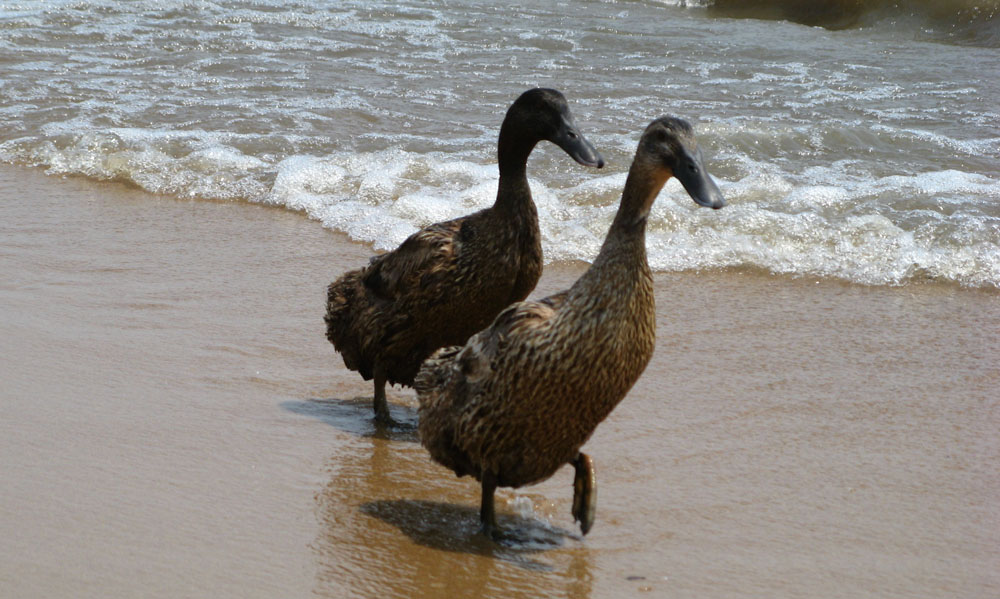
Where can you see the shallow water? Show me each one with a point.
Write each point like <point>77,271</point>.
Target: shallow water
<point>868,154</point>
<point>173,423</point>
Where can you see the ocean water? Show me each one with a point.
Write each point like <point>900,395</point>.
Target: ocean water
<point>869,153</point>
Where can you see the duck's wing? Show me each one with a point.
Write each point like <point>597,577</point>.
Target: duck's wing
<point>453,384</point>
<point>424,258</point>
<point>518,327</point>
<point>522,317</point>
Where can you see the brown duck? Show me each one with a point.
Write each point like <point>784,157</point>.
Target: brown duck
<point>451,279</point>
<point>520,398</point>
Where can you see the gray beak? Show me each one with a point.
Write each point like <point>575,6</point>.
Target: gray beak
<point>576,145</point>
<point>690,171</point>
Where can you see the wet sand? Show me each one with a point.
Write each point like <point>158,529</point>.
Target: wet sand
<point>173,423</point>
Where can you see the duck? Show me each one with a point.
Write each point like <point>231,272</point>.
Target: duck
<point>520,398</point>
<point>450,279</point>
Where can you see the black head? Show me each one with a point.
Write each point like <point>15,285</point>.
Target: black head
<point>542,113</point>
<point>669,143</point>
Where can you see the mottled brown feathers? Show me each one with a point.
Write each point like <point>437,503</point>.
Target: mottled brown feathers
<point>520,398</point>
<point>418,263</point>
<point>441,285</point>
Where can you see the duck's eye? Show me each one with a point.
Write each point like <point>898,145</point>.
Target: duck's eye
<point>572,134</point>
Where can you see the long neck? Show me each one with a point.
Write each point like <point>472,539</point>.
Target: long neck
<point>615,295</point>
<point>513,148</point>
<point>626,239</point>
<point>513,197</point>
<point>513,194</point>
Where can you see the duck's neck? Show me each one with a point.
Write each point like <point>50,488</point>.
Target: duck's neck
<point>514,146</point>
<point>513,199</point>
<point>625,243</point>
<point>513,194</point>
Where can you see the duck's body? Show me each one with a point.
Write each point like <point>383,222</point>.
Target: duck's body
<point>521,398</point>
<point>431,291</point>
<point>451,279</point>
<point>575,354</point>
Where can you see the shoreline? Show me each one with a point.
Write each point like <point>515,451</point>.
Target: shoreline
<point>175,423</point>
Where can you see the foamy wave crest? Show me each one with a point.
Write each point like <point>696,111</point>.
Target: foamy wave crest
<point>828,221</point>
<point>186,164</point>
<point>848,230</point>
<point>383,197</point>
<point>859,231</point>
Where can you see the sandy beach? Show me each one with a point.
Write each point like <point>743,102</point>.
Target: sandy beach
<point>173,423</point>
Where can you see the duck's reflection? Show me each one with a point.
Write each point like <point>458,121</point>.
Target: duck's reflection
<point>395,525</point>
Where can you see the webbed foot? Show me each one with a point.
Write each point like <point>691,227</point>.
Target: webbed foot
<point>382,417</point>
<point>491,531</point>
<point>584,492</point>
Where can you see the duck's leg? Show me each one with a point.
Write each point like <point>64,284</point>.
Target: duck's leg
<point>487,514</point>
<point>584,492</point>
<point>380,404</point>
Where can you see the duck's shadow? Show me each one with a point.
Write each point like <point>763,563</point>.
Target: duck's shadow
<point>355,416</point>
<point>455,528</point>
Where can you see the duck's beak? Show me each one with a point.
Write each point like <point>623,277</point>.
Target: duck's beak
<point>699,184</point>
<point>576,145</point>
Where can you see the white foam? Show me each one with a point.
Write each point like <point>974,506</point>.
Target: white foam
<point>829,221</point>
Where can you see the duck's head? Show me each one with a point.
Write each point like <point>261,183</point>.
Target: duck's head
<point>543,114</point>
<point>668,148</point>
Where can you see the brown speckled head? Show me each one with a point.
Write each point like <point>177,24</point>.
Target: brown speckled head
<point>668,148</point>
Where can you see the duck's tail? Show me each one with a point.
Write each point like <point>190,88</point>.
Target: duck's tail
<point>435,375</point>
<point>439,390</point>
<point>345,301</point>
